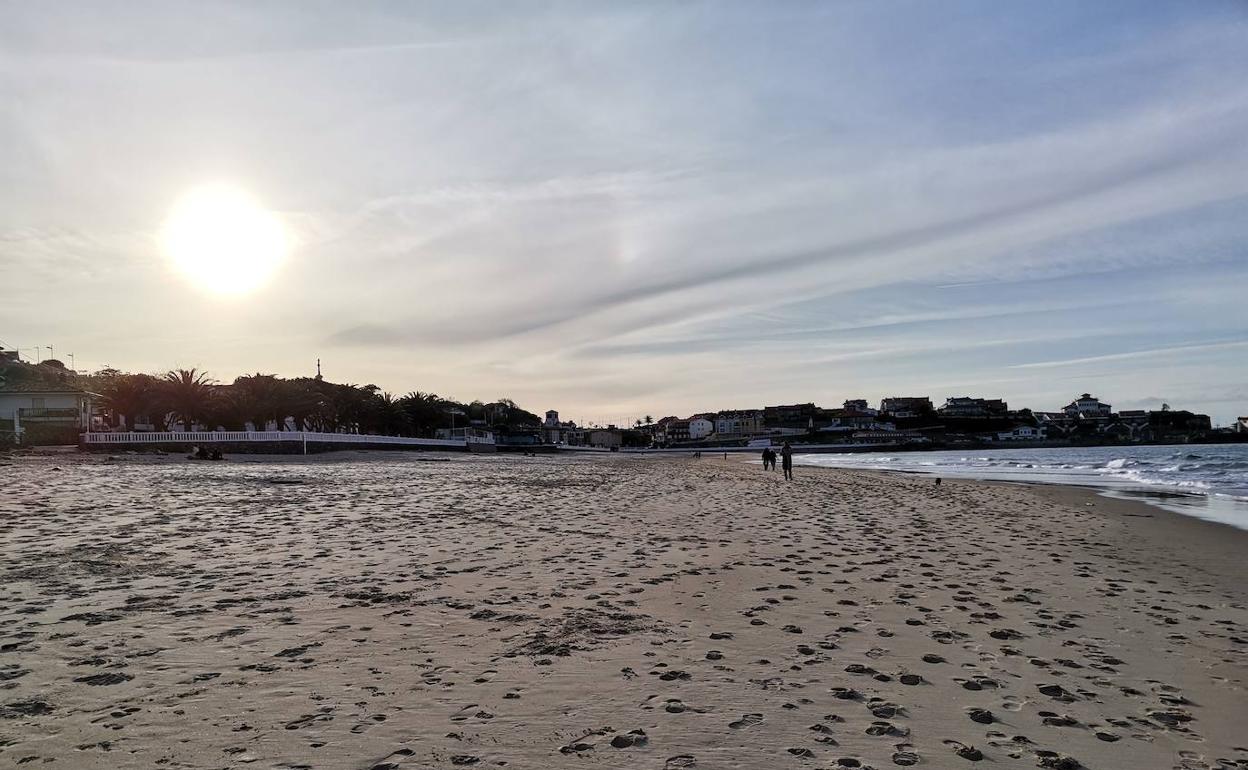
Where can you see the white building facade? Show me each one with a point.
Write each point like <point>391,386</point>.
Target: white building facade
<point>700,427</point>
<point>1087,405</point>
<point>37,410</point>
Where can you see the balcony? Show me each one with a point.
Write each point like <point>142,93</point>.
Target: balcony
<point>61,415</point>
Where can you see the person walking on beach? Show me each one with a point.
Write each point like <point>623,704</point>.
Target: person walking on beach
<point>768,458</point>
<point>786,461</point>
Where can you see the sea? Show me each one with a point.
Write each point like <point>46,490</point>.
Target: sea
<point>1208,481</point>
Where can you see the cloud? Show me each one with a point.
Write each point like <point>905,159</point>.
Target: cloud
<point>644,207</point>
<point>1152,353</point>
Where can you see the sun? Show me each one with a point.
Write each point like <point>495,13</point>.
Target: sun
<point>222,239</point>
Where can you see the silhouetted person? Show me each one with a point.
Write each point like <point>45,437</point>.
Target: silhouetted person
<point>786,460</point>
<point>769,459</point>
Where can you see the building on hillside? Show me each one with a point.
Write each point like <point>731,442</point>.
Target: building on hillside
<point>791,416</point>
<point>906,406</point>
<point>1241,425</point>
<point>1178,425</point>
<point>1050,418</point>
<point>44,414</point>
<point>671,430</point>
<point>701,426</point>
<point>659,431</point>
<point>1129,425</point>
<point>1087,405</point>
<point>1056,425</point>
<point>738,424</point>
<point>965,406</point>
<point>846,419</point>
<point>552,419</point>
<point>558,433</point>
<point>859,405</point>
<point>1022,433</point>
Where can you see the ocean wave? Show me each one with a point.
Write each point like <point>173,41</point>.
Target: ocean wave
<point>1209,469</point>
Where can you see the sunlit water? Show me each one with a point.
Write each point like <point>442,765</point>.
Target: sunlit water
<point>1209,481</point>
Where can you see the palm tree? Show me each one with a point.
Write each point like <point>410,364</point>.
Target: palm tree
<point>259,398</point>
<point>129,396</point>
<point>349,405</point>
<point>187,394</point>
<point>305,403</point>
<point>387,415</point>
<point>223,410</point>
<point>425,411</point>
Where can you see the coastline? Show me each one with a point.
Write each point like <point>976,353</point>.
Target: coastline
<point>1203,481</point>
<point>380,611</point>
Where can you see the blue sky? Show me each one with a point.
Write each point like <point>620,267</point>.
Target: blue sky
<point>648,208</point>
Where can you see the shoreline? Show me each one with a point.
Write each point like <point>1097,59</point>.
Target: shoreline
<point>1210,505</point>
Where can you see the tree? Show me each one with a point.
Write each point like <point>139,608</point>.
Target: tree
<point>508,414</point>
<point>349,406</point>
<point>305,403</point>
<point>257,399</point>
<point>130,396</point>
<point>186,394</point>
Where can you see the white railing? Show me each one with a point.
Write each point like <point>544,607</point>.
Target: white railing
<point>239,436</point>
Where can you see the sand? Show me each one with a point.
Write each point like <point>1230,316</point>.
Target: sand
<point>387,613</point>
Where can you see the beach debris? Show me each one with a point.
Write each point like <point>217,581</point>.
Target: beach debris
<point>581,629</point>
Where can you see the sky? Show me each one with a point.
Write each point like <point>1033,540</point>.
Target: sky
<point>627,209</point>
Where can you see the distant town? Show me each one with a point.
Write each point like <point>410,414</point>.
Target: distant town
<point>48,403</point>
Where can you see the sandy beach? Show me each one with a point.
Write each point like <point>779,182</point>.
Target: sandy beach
<point>385,612</point>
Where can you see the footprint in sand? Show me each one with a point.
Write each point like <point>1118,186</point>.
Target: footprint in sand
<point>1011,703</point>
<point>965,751</point>
<point>746,720</point>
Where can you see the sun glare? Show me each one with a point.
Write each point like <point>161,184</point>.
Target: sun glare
<point>223,240</point>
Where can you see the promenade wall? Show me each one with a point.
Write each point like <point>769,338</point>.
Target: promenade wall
<point>266,442</point>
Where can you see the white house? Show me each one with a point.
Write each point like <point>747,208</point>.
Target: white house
<point>1087,405</point>
<point>700,426</point>
<point>1022,433</point>
<point>47,408</point>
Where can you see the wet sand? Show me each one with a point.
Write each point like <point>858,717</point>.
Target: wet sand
<point>388,613</point>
